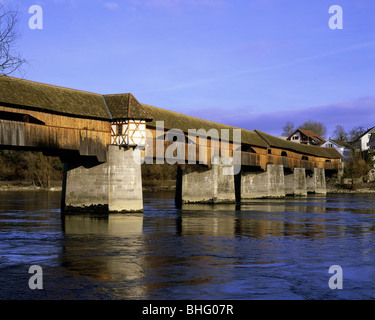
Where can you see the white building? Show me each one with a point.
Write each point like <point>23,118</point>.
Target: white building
<point>306,137</point>
<point>371,142</point>
<point>343,147</point>
<point>363,142</point>
<point>371,145</point>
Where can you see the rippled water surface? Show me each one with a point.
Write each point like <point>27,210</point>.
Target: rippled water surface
<point>266,249</point>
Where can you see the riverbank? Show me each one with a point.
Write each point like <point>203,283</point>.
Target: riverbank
<point>17,186</point>
<point>152,185</point>
<point>170,185</point>
<point>364,188</point>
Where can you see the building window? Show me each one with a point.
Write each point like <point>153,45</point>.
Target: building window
<point>247,148</point>
<point>119,129</point>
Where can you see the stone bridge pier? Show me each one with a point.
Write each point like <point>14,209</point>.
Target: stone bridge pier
<point>113,186</point>
<point>295,182</point>
<point>316,181</point>
<point>258,184</point>
<point>200,184</point>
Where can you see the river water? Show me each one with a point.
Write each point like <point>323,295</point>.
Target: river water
<point>265,249</point>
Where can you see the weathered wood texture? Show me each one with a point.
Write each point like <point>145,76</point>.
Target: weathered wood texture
<point>87,136</point>
<point>90,137</point>
<point>290,160</point>
<point>201,150</point>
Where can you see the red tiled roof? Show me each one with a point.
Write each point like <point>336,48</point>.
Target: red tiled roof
<point>310,134</point>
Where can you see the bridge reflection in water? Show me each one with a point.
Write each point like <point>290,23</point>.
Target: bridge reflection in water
<point>264,249</point>
<point>194,251</point>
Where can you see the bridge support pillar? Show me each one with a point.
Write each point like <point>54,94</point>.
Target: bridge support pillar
<point>113,186</point>
<point>268,184</point>
<point>295,183</point>
<point>316,182</point>
<point>204,185</point>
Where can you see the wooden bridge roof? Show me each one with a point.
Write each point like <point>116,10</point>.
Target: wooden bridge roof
<point>54,99</point>
<point>175,120</point>
<point>275,142</point>
<point>254,138</point>
<point>48,98</point>
<point>125,106</point>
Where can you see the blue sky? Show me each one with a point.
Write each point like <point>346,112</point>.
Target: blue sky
<point>252,64</point>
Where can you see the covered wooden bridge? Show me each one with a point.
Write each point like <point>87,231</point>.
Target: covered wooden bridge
<point>257,148</point>
<point>99,137</point>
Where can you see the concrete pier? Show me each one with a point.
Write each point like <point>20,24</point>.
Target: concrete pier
<point>268,184</point>
<point>209,185</point>
<point>113,186</point>
<point>295,182</point>
<point>316,181</point>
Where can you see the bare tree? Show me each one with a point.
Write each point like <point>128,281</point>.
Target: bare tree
<point>10,61</point>
<point>288,129</point>
<point>356,132</point>
<point>318,127</point>
<point>340,133</point>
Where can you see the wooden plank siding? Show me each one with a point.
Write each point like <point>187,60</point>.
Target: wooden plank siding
<point>61,121</point>
<point>288,159</point>
<point>89,137</point>
<point>203,150</point>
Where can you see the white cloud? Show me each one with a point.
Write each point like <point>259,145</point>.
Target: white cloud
<point>111,5</point>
